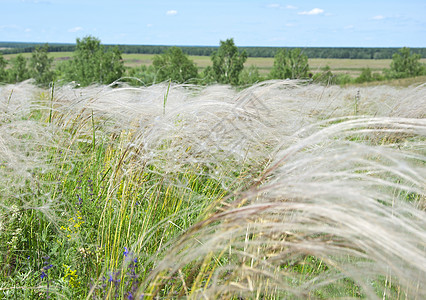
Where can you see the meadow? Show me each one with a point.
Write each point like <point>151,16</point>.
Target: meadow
<point>284,189</point>
<point>352,67</point>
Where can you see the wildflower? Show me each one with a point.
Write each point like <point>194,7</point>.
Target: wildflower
<point>71,276</point>
<point>80,200</point>
<point>126,252</point>
<point>113,277</point>
<point>44,270</point>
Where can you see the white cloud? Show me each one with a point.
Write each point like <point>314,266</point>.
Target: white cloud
<point>279,6</point>
<point>315,11</point>
<point>149,25</point>
<point>379,17</point>
<point>349,27</point>
<point>171,12</point>
<point>274,5</point>
<point>75,29</point>
<point>27,30</point>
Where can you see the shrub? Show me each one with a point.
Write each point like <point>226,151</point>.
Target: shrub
<point>404,64</point>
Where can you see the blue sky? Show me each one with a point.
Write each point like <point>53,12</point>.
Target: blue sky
<point>356,23</point>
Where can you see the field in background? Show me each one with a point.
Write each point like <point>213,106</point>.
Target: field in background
<point>353,67</point>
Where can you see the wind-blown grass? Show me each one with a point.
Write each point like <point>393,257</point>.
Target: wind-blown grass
<point>281,190</point>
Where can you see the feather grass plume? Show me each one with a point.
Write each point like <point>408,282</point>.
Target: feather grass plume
<point>281,190</point>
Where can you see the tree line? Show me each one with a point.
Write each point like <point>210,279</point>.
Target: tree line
<point>93,63</point>
<point>310,52</point>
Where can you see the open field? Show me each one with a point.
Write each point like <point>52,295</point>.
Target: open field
<point>283,190</point>
<point>265,64</point>
<point>352,67</point>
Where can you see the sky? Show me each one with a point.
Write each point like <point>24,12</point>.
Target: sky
<point>286,23</point>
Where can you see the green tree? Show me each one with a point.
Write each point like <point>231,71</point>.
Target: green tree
<point>113,66</point>
<point>3,73</point>
<point>290,64</point>
<point>40,66</point>
<point>87,62</point>
<point>19,71</point>
<point>174,65</point>
<point>405,64</point>
<point>228,63</point>
<point>92,64</point>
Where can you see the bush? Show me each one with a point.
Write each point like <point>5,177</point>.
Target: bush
<point>404,64</point>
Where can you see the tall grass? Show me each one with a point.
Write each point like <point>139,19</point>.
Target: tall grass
<point>168,191</point>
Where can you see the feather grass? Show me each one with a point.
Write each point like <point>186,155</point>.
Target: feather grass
<point>276,191</point>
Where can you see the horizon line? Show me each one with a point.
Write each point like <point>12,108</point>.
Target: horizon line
<point>210,46</point>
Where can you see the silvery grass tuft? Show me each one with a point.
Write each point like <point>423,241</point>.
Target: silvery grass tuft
<point>351,213</point>
<point>281,190</point>
<point>25,142</point>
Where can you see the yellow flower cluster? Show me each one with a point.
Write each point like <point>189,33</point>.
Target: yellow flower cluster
<point>74,226</point>
<point>71,276</point>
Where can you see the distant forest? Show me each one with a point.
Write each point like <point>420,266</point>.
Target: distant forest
<point>311,52</point>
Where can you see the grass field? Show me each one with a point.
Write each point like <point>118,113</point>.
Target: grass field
<point>352,67</point>
<point>283,190</point>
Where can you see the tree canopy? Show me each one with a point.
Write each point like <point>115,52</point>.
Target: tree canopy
<point>3,73</point>
<point>91,63</point>
<point>405,64</point>
<point>311,52</point>
<point>291,64</point>
<point>40,66</point>
<point>174,65</point>
<point>228,63</point>
<point>19,70</point>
